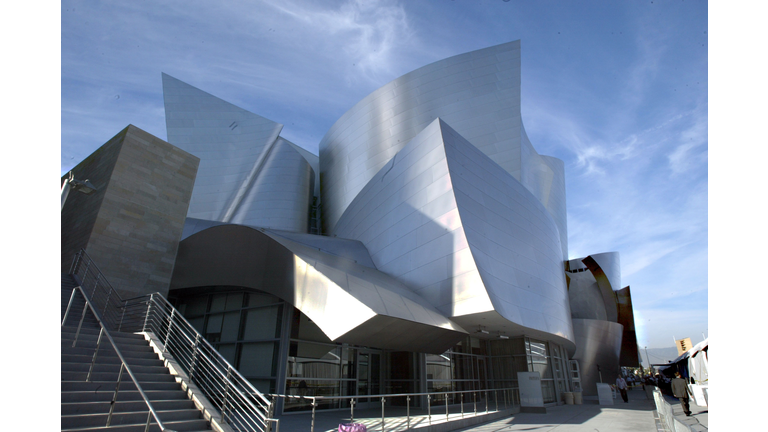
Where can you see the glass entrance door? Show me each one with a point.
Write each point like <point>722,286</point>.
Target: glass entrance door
<point>368,377</point>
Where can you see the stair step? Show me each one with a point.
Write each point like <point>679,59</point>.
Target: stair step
<point>109,351</point>
<point>111,368</point>
<point>112,376</point>
<point>110,359</point>
<point>101,407</point>
<point>127,418</point>
<point>125,394</point>
<point>185,426</point>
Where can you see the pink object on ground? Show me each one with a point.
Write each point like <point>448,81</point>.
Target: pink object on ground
<point>352,427</point>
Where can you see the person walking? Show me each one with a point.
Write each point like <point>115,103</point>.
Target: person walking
<point>681,391</point>
<point>621,384</point>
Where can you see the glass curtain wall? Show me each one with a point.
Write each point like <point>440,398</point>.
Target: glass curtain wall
<point>244,326</point>
<point>462,368</point>
<point>319,367</point>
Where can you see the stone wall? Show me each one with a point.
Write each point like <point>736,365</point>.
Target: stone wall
<point>132,225</point>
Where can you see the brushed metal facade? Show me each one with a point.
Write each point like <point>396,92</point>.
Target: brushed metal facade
<point>477,93</point>
<point>248,174</point>
<point>603,319</point>
<point>463,233</point>
<point>598,343</point>
<point>349,301</point>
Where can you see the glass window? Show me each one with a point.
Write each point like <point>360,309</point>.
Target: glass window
<point>231,326</point>
<point>262,323</point>
<point>257,359</point>
<point>234,301</point>
<point>311,360</point>
<point>217,302</point>
<point>196,306</point>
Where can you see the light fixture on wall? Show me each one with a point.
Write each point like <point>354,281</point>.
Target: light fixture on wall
<point>481,329</point>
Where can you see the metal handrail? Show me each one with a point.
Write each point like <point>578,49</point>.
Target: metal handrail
<point>383,397</point>
<point>123,364</point>
<point>239,403</point>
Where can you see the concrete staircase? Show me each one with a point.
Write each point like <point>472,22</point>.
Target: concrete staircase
<point>85,405</point>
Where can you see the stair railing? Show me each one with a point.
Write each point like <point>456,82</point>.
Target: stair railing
<point>239,403</point>
<point>152,414</point>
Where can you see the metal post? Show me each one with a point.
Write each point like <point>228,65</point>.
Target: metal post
<point>149,420</point>
<point>106,304</point>
<point>95,353</point>
<point>314,403</point>
<point>496,398</point>
<point>429,408</point>
<point>352,410</point>
<point>486,401</point>
<point>95,285</point>
<point>122,317</point>
<point>462,405</point>
<point>446,407</point>
<point>194,359</point>
<point>82,317</point>
<point>114,396</point>
<point>69,305</point>
<point>382,413</point>
<point>168,334</point>
<point>474,399</point>
<point>146,316</point>
<point>226,394</point>
<point>408,410</point>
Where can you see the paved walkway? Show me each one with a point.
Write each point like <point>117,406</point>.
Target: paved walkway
<point>635,416</point>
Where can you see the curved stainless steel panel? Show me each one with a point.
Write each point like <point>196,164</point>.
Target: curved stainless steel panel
<point>348,301</point>
<point>451,224</point>
<point>247,173</point>
<point>597,343</point>
<point>477,93</point>
<point>585,297</point>
<point>606,277</point>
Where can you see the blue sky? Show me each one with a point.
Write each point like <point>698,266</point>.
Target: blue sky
<point>616,89</point>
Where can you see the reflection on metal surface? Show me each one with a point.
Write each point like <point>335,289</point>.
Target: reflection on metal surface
<point>477,93</point>
<point>247,174</point>
<point>598,343</point>
<point>602,317</point>
<point>451,224</point>
<point>350,302</point>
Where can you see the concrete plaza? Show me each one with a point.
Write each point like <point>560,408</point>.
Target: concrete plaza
<point>637,415</point>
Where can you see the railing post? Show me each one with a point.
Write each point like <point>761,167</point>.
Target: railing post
<point>80,325</point>
<point>122,317</point>
<point>352,410</point>
<point>106,303</point>
<point>168,333</point>
<point>194,358</point>
<point>95,353</point>
<point>382,413</point>
<point>146,315</point>
<point>429,408</point>
<point>69,306</point>
<point>149,420</point>
<point>446,407</point>
<point>95,285</point>
<point>226,394</point>
<point>314,403</point>
<point>496,398</point>
<point>114,396</point>
<point>462,405</point>
<point>474,398</point>
<point>408,410</point>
